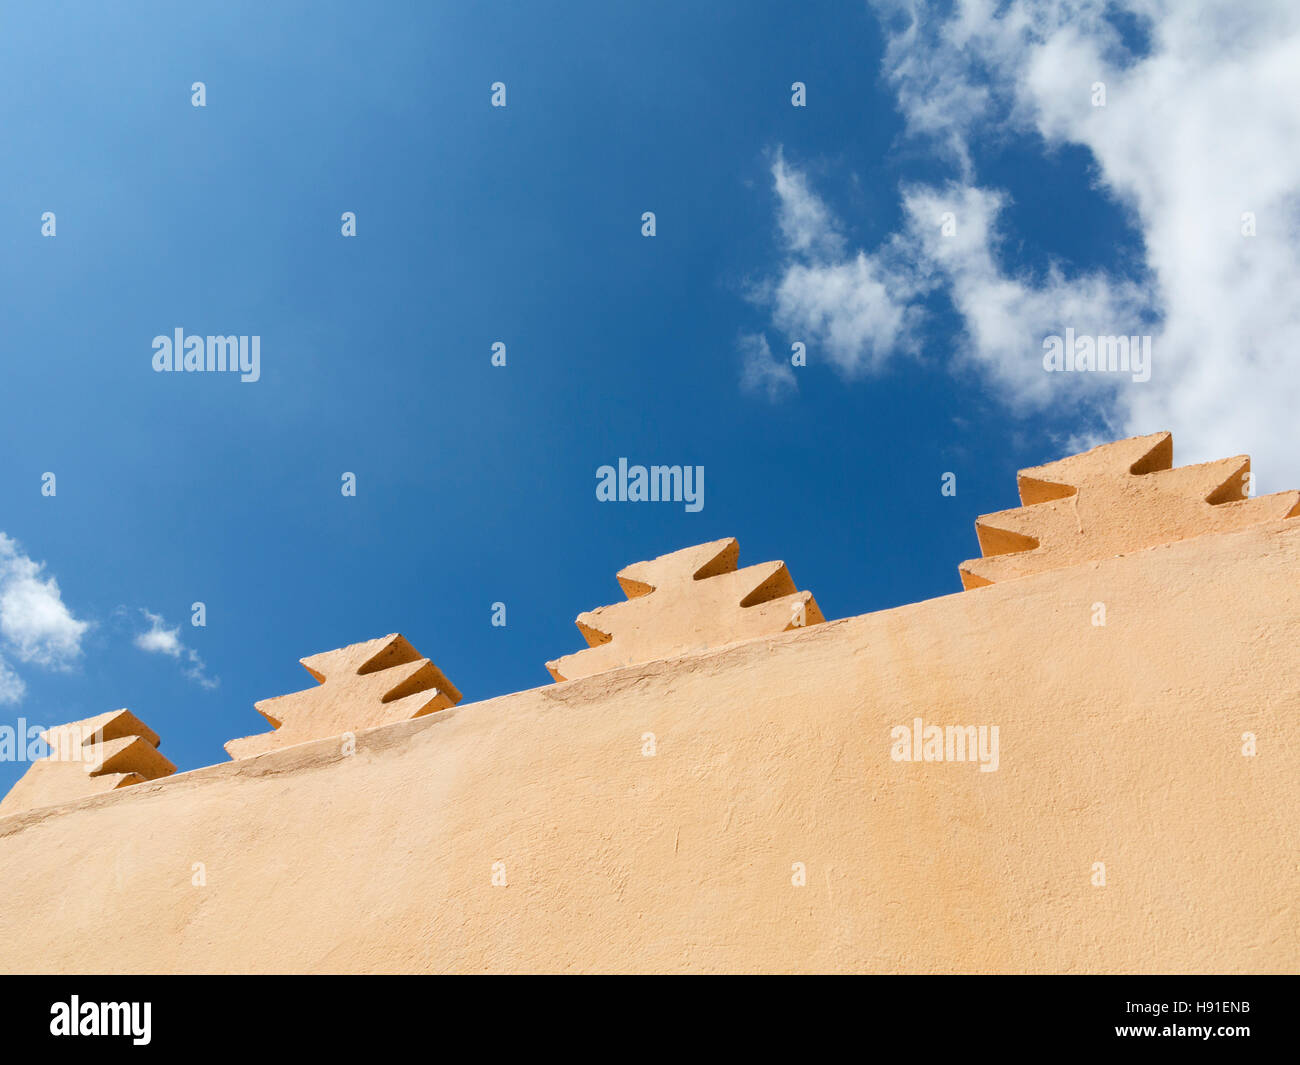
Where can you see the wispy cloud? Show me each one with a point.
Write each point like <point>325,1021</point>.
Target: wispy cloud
<point>762,371</point>
<point>1007,313</point>
<point>807,225</point>
<point>853,307</point>
<point>162,640</point>
<point>12,688</point>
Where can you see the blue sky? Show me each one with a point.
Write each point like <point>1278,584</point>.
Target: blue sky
<point>522,224</point>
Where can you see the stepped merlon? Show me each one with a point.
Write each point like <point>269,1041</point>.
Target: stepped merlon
<point>685,601</point>
<point>362,686</point>
<point>1112,500</point>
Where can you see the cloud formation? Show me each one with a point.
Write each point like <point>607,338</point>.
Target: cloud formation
<point>855,307</point>
<point>1198,141</point>
<point>35,626</point>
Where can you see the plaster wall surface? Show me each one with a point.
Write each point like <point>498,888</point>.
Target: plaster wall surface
<point>1118,744</point>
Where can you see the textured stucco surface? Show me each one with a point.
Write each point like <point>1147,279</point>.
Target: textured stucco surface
<point>1118,744</point>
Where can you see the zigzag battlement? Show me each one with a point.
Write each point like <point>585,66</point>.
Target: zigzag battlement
<point>362,686</point>
<point>1116,499</point>
<point>685,601</point>
<point>1113,500</point>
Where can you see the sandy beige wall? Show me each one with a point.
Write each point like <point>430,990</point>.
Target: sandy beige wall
<point>1119,744</point>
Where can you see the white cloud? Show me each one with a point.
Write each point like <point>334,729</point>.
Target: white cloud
<point>806,224</point>
<point>37,628</point>
<point>35,625</point>
<point>853,308</point>
<point>854,311</point>
<point>1198,131</point>
<point>159,639</point>
<point>1006,315</point>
